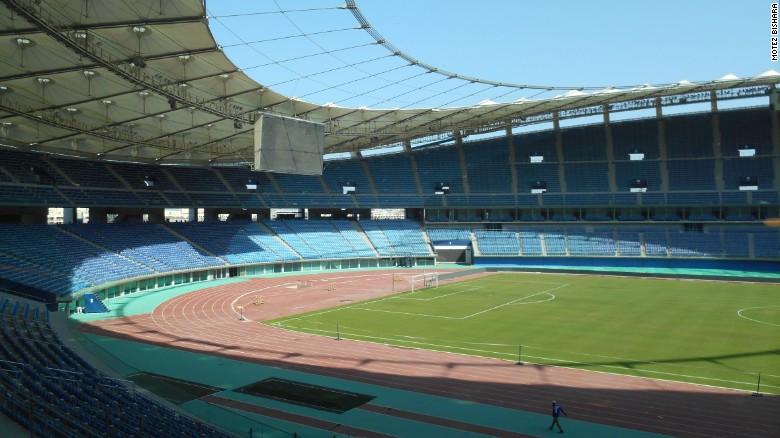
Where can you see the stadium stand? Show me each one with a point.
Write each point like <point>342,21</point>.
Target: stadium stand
<point>49,389</point>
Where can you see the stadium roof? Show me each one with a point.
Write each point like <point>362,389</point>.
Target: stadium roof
<point>144,80</point>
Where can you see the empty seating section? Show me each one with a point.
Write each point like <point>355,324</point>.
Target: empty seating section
<point>439,165</point>
<point>497,242</point>
<point>750,127</point>
<point>340,172</point>
<point>87,173</point>
<point>587,177</point>
<point>766,244</point>
<point>355,240</point>
<point>45,256</point>
<point>555,241</point>
<point>392,174</point>
<point>596,243</point>
<point>756,167</point>
<point>587,143</point>
<point>531,243</point>
<point>635,135</point>
<point>313,238</point>
<point>691,175</point>
<point>135,174</point>
<point>150,246</point>
<point>535,143</point>
<point>294,240</point>
<point>227,240</point>
<point>628,171</point>
<point>488,167</point>
<point>529,173</point>
<point>396,237</point>
<point>31,195</point>
<point>736,242</point>
<point>197,179</point>
<point>446,235</point>
<point>30,168</point>
<point>298,184</point>
<point>629,244</point>
<point>52,391</point>
<point>655,243</point>
<point>266,240</point>
<point>237,179</point>
<point>688,136</point>
<point>698,173</point>
<point>695,244</point>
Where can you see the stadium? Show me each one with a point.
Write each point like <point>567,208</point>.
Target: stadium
<point>186,250</point>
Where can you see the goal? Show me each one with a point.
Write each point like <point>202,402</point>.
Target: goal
<point>422,281</point>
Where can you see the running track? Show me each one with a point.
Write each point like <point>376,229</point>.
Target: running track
<point>206,321</point>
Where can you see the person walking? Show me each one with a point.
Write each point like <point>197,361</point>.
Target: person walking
<point>557,410</point>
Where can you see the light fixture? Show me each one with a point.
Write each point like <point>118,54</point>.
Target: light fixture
<point>251,184</point>
<point>138,61</point>
<point>43,81</point>
<point>88,73</point>
<point>747,151</point>
<point>536,158</point>
<point>636,155</point>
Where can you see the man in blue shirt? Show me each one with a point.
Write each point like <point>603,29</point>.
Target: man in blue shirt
<point>557,410</point>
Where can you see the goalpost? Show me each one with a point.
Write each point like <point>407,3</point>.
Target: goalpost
<point>422,281</point>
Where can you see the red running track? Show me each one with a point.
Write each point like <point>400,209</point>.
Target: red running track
<point>206,321</point>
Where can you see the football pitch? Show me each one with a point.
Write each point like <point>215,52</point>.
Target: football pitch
<point>723,334</point>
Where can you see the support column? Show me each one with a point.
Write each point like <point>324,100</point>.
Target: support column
<point>98,215</point>
<point>210,215</point>
<point>611,178</point>
<point>69,215</point>
<point>559,151</point>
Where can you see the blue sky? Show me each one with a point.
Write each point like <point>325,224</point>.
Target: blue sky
<point>595,43</point>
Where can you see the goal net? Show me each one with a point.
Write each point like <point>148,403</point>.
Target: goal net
<point>422,281</point>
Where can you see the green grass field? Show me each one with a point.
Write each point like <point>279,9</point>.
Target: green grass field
<point>713,333</point>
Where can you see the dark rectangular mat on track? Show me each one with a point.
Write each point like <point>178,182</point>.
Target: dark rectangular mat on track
<point>304,394</point>
<point>174,390</point>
